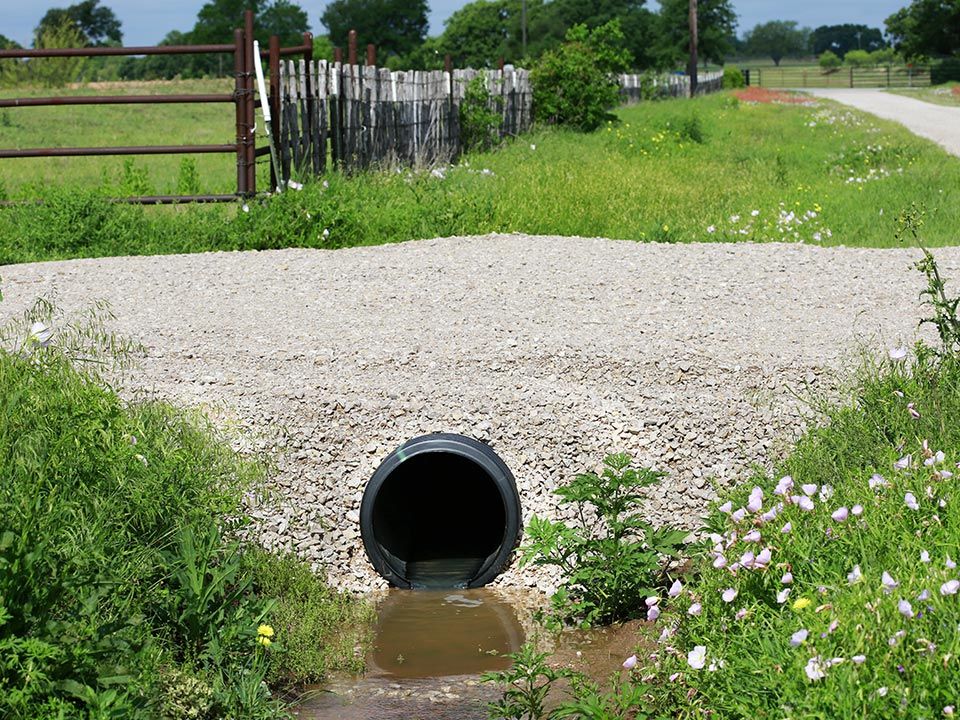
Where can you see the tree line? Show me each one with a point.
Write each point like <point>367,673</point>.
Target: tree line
<point>484,32</point>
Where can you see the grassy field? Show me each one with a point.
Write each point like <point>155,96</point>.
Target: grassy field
<point>713,169</point>
<point>948,94</point>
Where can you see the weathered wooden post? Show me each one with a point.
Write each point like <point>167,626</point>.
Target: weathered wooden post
<point>371,55</point>
<point>352,47</point>
<point>692,67</point>
<point>250,144</point>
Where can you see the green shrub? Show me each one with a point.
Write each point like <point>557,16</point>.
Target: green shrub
<point>947,70</point>
<point>575,84</point>
<point>614,563</point>
<point>829,60</point>
<point>479,119</point>
<point>883,56</point>
<point>732,78</point>
<point>858,59</point>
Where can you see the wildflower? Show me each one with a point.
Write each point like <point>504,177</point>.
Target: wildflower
<point>905,608</point>
<point>653,613</point>
<point>914,413</point>
<point>674,676</point>
<point>877,481</point>
<point>859,659</point>
<point>752,537</point>
<point>895,637</point>
<point>799,637</point>
<point>652,600</point>
<point>826,492</point>
<point>741,613</point>
<point>840,514</point>
<point>755,502</point>
<point>666,228</point>
<point>948,710</point>
<point>711,229</point>
<point>854,575</point>
<point>950,587</point>
<point>911,501</point>
<point>263,640</point>
<point>950,563</point>
<point>898,353</point>
<point>695,609</point>
<point>815,668</point>
<point>801,603</point>
<point>882,691</point>
<point>784,485</point>
<point>294,185</point>
<point>924,595</point>
<point>786,529</point>
<point>697,657</point>
<point>754,213</point>
<point>726,507</point>
<point>728,595</point>
<point>783,595</point>
<point>856,510</point>
<point>738,515</point>
<point>888,582</point>
<point>245,208</point>
<point>763,558</point>
<point>769,514</point>
<point>675,589</point>
<point>141,459</point>
<point>720,562</point>
<point>924,556</point>
<point>265,631</point>
<point>787,578</point>
<point>325,233</point>
<point>40,335</point>
<point>903,463</point>
<point>805,503</point>
<point>808,489</point>
<point>630,663</point>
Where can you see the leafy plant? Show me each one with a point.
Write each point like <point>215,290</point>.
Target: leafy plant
<point>479,117</point>
<point>732,78</point>
<point>829,61</point>
<point>526,684</point>
<point>614,559</point>
<point>944,318</point>
<point>188,178</point>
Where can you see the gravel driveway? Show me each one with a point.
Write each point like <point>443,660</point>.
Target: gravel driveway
<point>554,350</point>
<point>939,123</point>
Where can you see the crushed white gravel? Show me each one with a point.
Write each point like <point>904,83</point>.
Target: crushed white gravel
<point>554,350</point>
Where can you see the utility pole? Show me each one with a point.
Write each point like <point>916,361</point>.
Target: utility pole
<point>523,26</point>
<point>692,66</point>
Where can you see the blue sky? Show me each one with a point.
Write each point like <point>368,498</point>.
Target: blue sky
<point>145,23</point>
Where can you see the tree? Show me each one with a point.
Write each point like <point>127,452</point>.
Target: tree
<point>840,39</point>
<point>98,26</point>
<point>8,44</point>
<point>716,27</point>
<point>777,39</point>
<point>481,32</point>
<point>926,28</point>
<point>396,27</point>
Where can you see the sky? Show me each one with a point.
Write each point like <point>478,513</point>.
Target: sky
<point>145,23</point>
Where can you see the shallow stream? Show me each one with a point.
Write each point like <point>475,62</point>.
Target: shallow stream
<point>431,646</point>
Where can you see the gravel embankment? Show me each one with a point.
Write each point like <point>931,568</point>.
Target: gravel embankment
<point>554,350</point>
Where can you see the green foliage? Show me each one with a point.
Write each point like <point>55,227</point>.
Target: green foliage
<point>574,84</point>
<point>526,684</point>
<point>884,56</point>
<point>98,26</point>
<point>858,59</point>
<point>396,27</point>
<point>926,29</point>
<point>716,25</point>
<point>614,559</point>
<point>188,179</point>
<point>122,588</point>
<point>54,71</point>
<point>839,39</point>
<point>777,39</point>
<point>323,631</point>
<point>478,34</point>
<point>732,78</point>
<point>829,60</point>
<point>480,118</point>
<point>945,71</point>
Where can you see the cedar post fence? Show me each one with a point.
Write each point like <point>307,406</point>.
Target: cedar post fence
<point>242,98</point>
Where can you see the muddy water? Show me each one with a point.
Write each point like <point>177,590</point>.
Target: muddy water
<point>432,645</point>
<point>429,650</point>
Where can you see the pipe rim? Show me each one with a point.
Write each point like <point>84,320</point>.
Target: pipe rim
<point>473,450</point>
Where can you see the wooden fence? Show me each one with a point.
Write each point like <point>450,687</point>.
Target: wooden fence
<point>362,116</point>
<point>634,88</point>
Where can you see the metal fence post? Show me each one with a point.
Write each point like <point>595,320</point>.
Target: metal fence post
<point>274,101</point>
<point>240,108</point>
<point>250,142</point>
<point>352,47</point>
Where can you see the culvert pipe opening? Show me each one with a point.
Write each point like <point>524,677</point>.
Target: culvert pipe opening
<point>441,511</point>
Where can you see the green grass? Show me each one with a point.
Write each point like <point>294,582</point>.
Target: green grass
<point>123,591</point>
<point>666,171</point>
<point>946,94</point>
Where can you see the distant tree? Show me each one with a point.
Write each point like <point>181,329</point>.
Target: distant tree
<point>858,59</point>
<point>840,39</point>
<point>8,44</point>
<point>829,60</point>
<point>57,71</point>
<point>716,27</point>
<point>926,28</point>
<point>549,22</point>
<point>396,27</point>
<point>777,39</point>
<point>481,32</point>
<point>284,19</point>
<point>98,26</point>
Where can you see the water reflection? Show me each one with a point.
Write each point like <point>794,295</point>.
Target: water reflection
<point>438,633</point>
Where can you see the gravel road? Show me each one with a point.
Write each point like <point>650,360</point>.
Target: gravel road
<point>554,350</point>
<point>939,123</point>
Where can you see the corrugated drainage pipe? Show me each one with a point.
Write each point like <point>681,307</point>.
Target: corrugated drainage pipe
<point>441,511</point>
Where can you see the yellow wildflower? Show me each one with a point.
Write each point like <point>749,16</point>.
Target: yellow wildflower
<point>801,603</point>
<point>265,631</point>
<point>263,640</point>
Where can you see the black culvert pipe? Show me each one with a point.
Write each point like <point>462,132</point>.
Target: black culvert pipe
<point>441,511</point>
